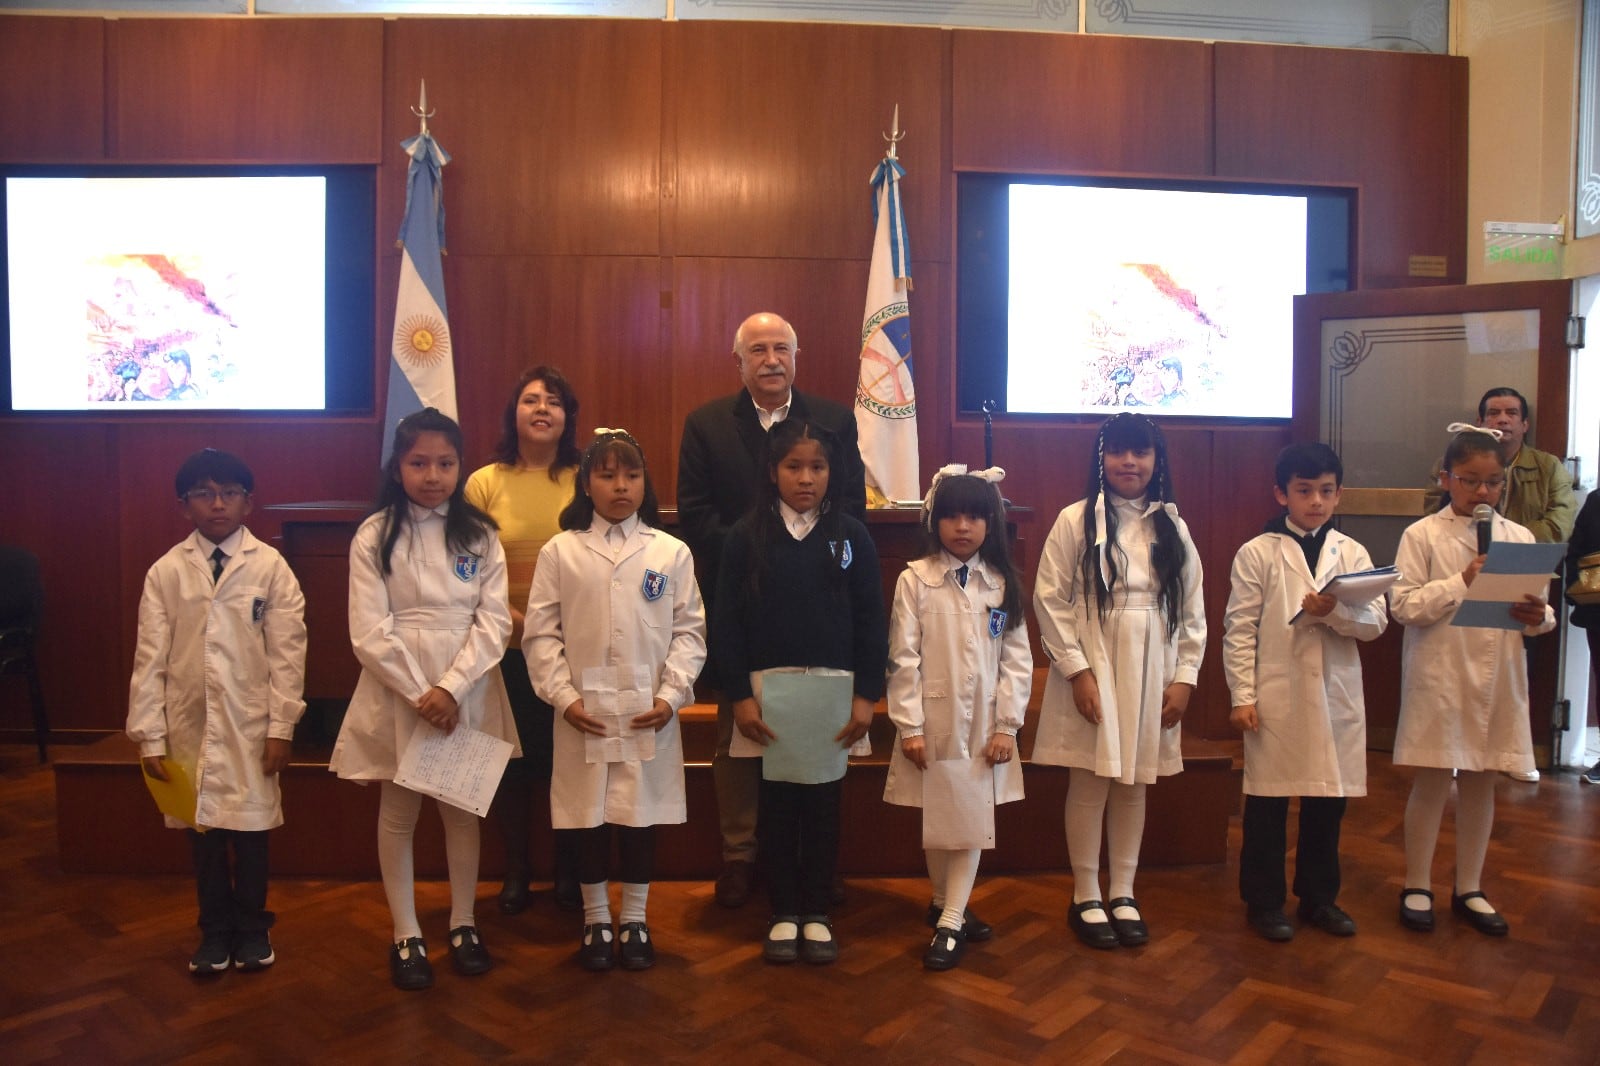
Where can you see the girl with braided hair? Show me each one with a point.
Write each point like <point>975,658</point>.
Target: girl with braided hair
<point>1122,619</point>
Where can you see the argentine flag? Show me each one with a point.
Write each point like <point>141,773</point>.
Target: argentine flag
<point>421,370</point>
<point>886,402</point>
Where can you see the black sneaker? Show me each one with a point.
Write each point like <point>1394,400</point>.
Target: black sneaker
<point>213,956</point>
<point>635,946</point>
<point>973,928</point>
<point>253,951</point>
<point>594,950</point>
<point>409,968</point>
<point>467,953</point>
<point>945,952</point>
<point>1591,776</point>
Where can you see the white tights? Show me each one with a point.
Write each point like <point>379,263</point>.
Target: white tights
<point>1430,789</point>
<point>1092,799</point>
<point>953,874</point>
<point>398,808</point>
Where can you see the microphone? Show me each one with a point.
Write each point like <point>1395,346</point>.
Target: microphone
<point>1483,515</point>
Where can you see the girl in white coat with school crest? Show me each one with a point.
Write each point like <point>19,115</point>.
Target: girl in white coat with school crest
<point>428,621</point>
<point>1122,619</point>
<point>614,609</point>
<point>1463,689</point>
<point>960,673</point>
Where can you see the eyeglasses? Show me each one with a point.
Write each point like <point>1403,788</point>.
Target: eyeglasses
<point>1472,484</point>
<point>212,495</point>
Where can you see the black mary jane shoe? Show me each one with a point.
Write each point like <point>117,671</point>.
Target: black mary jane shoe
<point>1489,923</point>
<point>1131,932</point>
<point>595,950</point>
<point>1095,934</point>
<point>467,954</point>
<point>409,969</point>
<point>1413,917</point>
<point>974,929</point>
<point>945,952</point>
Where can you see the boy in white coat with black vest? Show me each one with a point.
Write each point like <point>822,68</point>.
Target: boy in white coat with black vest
<point>1290,655</point>
<point>218,676</point>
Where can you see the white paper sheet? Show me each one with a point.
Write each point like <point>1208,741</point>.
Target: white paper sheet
<point>958,804</point>
<point>461,768</point>
<point>742,747</point>
<point>1359,588</point>
<point>1511,572</point>
<point>615,696</point>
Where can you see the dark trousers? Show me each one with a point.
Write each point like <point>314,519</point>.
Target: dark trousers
<point>636,853</point>
<point>1316,864</point>
<point>233,893</point>
<point>513,800</point>
<point>798,844</point>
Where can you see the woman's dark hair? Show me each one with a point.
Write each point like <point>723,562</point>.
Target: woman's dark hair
<point>610,446</point>
<point>465,527</point>
<point>1122,433</point>
<point>567,455</point>
<point>765,520</point>
<point>974,497</point>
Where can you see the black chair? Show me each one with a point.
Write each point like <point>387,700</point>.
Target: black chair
<point>21,606</point>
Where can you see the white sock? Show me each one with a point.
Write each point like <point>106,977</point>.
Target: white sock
<point>397,822</point>
<point>1474,822</point>
<point>961,871</point>
<point>1430,789</point>
<point>938,861</point>
<point>461,859</point>
<point>1086,808</point>
<point>633,901</point>
<point>1124,835</point>
<point>596,903</point>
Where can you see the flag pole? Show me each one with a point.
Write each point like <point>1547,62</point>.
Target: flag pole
<point>421,110</point>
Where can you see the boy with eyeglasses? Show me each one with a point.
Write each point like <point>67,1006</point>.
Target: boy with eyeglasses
<point>218,677</point>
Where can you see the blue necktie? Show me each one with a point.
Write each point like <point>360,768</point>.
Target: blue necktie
<point>218,557</point>
<point>961,575</point>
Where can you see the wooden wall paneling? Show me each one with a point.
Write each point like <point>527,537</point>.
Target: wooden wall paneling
<point>778,126</point>
<point>273,90</point>
<point>593,317</point>
<point>62,502</point>
<point>1071,104</point>
<point>52,78</point>
<point>1396,125</point>
<point>553,127</point>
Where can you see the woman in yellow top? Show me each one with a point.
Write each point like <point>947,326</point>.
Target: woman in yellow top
<point>525,489</point>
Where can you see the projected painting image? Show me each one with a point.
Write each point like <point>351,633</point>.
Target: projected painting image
<point>1169,302</point>
<point>159,330</point>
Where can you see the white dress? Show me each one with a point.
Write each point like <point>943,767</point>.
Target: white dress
<point>218,669</point>
<point>1305,678</point>
<point>439,618</point>
<point>1129,651</point>
<point>588,607</point>
<point>1463,690</point>
<point>957,674</point>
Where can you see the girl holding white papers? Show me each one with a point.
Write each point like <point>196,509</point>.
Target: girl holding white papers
<point>614,638</point>
<point>799,587</point>
<point>428,622</point>
<point>1463,690</point>
<point>960,673</point>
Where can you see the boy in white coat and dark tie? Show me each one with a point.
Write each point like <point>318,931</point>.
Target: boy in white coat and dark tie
<point>1296,688</point>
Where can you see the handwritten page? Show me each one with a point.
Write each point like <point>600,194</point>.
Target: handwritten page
<point>805,710</point>
<point>615,696</point>
<point>958,804</point>
<point>461,768</point>
<point>1511,572</point>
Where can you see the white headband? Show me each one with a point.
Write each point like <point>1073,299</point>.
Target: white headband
<point>1468,427</point>
<point>993,475</point>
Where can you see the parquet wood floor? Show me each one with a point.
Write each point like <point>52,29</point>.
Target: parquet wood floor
<point>95,968</point>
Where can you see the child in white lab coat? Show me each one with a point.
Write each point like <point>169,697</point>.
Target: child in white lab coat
<point>1122,618</point>
<point>1463,689</point>
<point>613,591</point>
<point>217,681</point>
<point>428,622</point>
<point>960,672</point>
<point>1296,691</point>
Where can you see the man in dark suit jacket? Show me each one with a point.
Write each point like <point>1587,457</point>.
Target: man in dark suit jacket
<point>720,464</point>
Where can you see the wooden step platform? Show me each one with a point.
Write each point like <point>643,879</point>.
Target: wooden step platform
<point>106,822</point>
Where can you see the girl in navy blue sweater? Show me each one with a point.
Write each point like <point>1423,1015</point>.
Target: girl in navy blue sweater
<point>801,582</point>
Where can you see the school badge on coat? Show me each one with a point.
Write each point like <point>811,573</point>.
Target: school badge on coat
<point>654,585</point>
<point>843,553</point>
<point>466,567</point>
<point>997,622</point>
<point>258,609</point>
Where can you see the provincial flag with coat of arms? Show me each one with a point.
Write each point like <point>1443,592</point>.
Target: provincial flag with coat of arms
<point>421,368</point>
<point>886,402</point>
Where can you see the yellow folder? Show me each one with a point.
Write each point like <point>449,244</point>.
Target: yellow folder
<point>176,796</point>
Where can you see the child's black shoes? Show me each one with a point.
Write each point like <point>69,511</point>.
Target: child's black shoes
<point>253,951</point>
<point>409,968</point>
<point>594,950</point>
<point>467,953</point>
<point>213,956</point>
<point>973,928</point>
<point>945,952</point>
<point>638,951</point>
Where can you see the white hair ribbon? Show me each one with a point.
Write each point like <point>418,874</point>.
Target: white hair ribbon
<point>993,475</point>
<point>1468,427</point>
